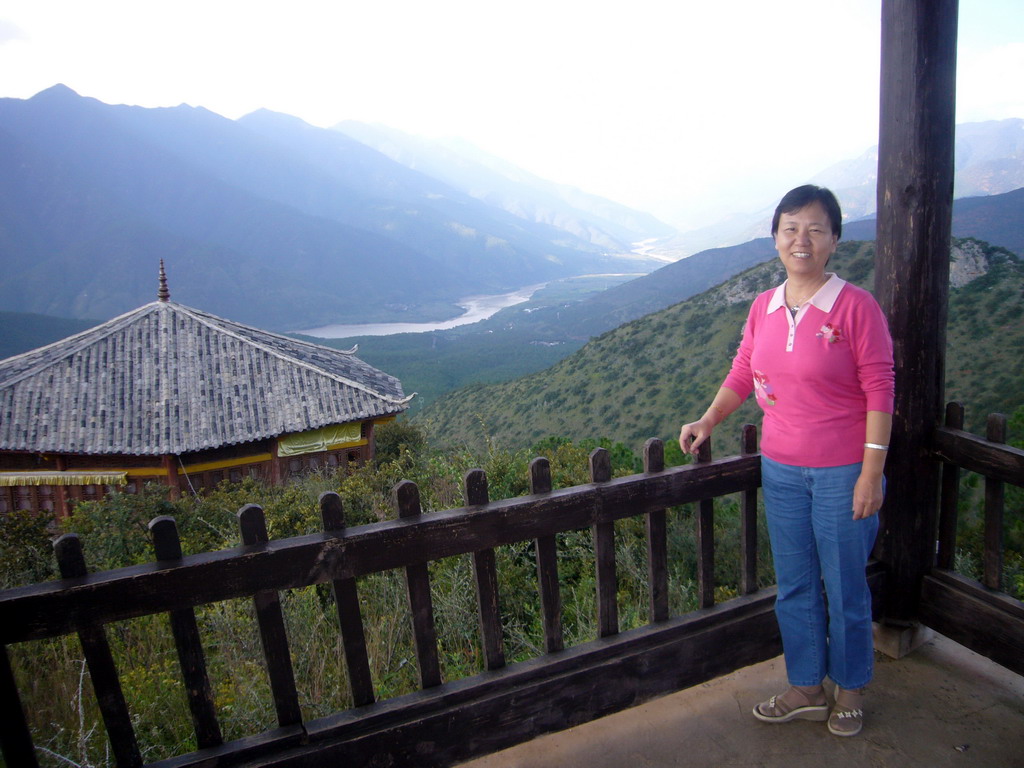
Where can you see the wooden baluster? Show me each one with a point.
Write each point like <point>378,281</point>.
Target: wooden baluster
<point>705,539</point>
<point>748,521</point>
<point>547,565</point>
<point>417,581</point>
<point>346,601</point>
<point>273,635</point>
<point>485,575</point>
<point>15,736</point>
<point>604,552</point>
<point>167,546</point>
<point>994,505</point>
<point>950,498</point>
<point>100,661</point>
<point>657,539</point>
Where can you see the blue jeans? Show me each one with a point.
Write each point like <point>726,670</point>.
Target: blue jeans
<point>814,537</point>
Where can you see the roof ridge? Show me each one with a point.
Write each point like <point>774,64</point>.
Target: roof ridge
<point>201,317</point>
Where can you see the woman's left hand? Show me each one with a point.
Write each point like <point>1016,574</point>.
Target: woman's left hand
<point>867,496</point>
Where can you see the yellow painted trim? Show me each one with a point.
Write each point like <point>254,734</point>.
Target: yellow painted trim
<point>237,462</point>
<point>356,444</point>
<point>161,472</point>
<point>55,478</point>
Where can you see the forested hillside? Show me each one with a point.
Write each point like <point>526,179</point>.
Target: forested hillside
<point>643,379</point>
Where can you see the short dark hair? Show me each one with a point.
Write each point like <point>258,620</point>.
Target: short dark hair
<point>801,197</point>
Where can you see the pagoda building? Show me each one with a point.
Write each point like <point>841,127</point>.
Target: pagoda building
<point>174,395</point>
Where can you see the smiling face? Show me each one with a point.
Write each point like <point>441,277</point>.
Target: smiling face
<point>805,241</point>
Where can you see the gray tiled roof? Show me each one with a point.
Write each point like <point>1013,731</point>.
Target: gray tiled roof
<point>167,379</point>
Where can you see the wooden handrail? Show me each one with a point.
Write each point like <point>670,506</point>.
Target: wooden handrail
<point>975,613</point>
<point>260,569</point>
<point>977,454</point>
<point>60,607</point>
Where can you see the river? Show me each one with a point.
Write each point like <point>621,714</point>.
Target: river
<point>476,308</point>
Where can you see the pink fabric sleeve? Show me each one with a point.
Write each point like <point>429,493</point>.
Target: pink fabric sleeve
<point>874,358</point>
<point>740,378</point>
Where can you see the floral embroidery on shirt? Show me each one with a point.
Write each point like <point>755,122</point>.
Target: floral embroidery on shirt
<point>830,334</point>
<point>763,388</point>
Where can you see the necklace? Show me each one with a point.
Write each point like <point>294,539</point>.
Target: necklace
<point>794,307</point>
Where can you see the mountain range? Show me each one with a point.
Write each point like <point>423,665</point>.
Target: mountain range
<point>266,220</point>
<point>276,223</point>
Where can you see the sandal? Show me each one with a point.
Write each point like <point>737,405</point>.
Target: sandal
<point>847,717</point>
<point>778,709</point>
<point>845,722</point>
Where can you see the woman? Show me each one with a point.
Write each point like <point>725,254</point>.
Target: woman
<point>816,352</point>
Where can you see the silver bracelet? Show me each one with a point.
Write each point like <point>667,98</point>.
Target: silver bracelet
<point>876,446</point>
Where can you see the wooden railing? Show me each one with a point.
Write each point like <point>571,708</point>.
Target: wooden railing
<point>446,721</point>
<point>449,721</point>
<point>978,614</point>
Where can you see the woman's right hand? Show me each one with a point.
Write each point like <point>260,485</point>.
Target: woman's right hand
<point>693,434</point>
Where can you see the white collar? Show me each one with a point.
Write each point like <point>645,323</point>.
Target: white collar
<point>824,298</point>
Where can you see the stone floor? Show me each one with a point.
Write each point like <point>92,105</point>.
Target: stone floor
<point>942,705</point>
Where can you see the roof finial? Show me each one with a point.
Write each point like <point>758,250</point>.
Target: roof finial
<point>163,294</point>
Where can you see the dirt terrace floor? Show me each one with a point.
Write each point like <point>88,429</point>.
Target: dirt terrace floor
<point>942,705</point>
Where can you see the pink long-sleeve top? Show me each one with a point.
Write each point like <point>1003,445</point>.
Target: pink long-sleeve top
<point>817,375</point>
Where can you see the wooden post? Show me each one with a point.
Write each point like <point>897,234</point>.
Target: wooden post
<point>994,508</point>
<point>657,539</point>
<point>100,660</point>
<point>276,475</point>
<point>748,522</point>
<point>406,497</point>
<point>371,441</point>
<point>167,546</point>
<point>173,481</point>
<point>485,576</point>
<point>604,552</point>
<point>705,535</point>
<point>15,736</point>
<point>61,507</point>
<point>547,565</point>
<point>950,498</point>
<point>915,205</point>
<point>350,617</point>
<point>270,618</point>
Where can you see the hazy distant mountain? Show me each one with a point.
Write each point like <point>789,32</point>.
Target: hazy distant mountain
<point>265,220</point>
<point>501,184</point>
<point>989,161</point>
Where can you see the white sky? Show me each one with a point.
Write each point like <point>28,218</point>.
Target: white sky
<point>685,109</point>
